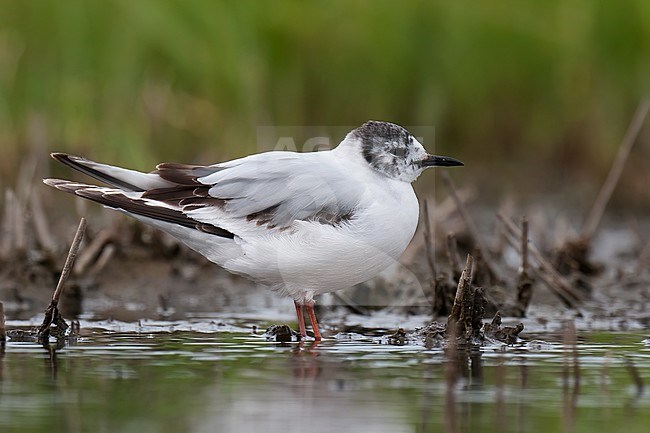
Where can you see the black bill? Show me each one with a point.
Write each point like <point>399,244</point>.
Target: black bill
<point>440,161</point>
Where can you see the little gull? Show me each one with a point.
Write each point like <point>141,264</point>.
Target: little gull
<point>301,223</point>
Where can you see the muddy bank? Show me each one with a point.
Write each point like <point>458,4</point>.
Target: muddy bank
<point>526,267</point>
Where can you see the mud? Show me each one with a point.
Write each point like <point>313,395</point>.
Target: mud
<point>128,272</point>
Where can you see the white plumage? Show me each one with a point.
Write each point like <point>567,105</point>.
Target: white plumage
<point>301,223</point>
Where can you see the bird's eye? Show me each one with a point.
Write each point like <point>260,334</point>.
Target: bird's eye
<point>398,151</point>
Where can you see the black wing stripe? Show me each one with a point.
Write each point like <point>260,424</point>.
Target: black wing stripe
<point>139,207</point>
<point>102,177</point>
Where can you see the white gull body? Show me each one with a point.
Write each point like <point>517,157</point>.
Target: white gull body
<point>301,223</point>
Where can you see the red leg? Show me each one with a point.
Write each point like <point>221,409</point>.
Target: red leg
<point>312,318</point>
<point>301,319</point>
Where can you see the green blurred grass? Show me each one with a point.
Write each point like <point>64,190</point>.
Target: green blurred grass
<point>552,83</point>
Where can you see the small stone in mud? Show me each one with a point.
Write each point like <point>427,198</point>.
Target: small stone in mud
<point>505,334</point>
<point>22,335</point>
<point>433,335</point>
<point>398,338</point>
<point>281,334</point>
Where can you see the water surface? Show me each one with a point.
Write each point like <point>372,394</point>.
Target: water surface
<point>208,376</point>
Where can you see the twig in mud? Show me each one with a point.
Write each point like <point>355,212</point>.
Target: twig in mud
<point>52,315</point>
<point>643,247</point>
<point>525,282</point>
<point>428,240</point>
<point>464,284</point>
<point>505,334</point>
<point>556,282</point>
<point>439,212</point>
<point>69,261</point>
<point>598,208</point>
<point>471,227</point>
<point>469,306</point>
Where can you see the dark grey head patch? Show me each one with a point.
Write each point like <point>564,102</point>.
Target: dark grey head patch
<point>388,148</point>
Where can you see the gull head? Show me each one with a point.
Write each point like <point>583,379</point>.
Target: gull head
<point>392,151</point>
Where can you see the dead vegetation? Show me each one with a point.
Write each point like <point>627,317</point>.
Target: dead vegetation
<point>490,284</point>
<point>464,326</point>
<point>566,271</point>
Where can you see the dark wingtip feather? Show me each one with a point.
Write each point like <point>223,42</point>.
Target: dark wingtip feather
<point>116,200</point>
<point>59,155</point>
<point>67,159</point>
<point>82,164</point>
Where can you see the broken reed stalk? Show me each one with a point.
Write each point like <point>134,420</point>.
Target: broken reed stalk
<point>598,208</point>
<point>471,227</point>
<point>525,282</point>
<point>428,240</point>
<point>69,261</point>
<point>464,284</point>
<point>556,282</point>
<point>524,246</point>
<point>52,314</point>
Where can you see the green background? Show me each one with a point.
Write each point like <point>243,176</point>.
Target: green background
<point>540,91</point>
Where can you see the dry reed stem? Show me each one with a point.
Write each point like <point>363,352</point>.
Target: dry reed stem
<point>524,246</point>
<point>525,282</point>
<point>464,284</point>
<point>605,193</point>
<point>69,261</point>
<point>471,227</point>
<point>52,313</point>
<point>556,282</point>
<point>428,240</point>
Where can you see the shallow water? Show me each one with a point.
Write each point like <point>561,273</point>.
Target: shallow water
<point>217,376</point>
